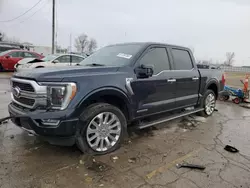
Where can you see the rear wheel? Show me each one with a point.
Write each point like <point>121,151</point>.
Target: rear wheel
<point>1,68</point>
<point>208,103</point>
<point>101,129</point>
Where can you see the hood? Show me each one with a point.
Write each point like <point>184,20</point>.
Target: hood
<point>59,73</point>
<point>28,60</point>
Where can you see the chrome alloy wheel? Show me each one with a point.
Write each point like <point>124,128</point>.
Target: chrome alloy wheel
<point>210,104</point>
<point>103,131</point>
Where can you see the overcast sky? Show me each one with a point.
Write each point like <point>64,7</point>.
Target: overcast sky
<point>211,27</point>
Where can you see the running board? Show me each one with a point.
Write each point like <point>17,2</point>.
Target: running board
<point>163,120</point>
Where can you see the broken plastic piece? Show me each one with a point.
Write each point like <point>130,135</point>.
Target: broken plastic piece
<point>193,166</point>
<point>231,149</point>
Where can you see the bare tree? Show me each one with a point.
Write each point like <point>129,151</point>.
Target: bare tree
<point>2,36</point>
<point>229,58</point>
<point>81,43</point>
<point>92,45</point>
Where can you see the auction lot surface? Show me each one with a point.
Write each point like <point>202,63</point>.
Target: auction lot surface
<point>146,160</point>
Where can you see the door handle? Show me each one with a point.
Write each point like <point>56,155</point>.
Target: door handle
<point>171,80</point>
<point>195,78</point>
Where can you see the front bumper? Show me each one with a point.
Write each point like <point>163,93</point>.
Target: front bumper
<point>61,134</point>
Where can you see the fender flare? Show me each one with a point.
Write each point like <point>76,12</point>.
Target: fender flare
<point>108,91</point>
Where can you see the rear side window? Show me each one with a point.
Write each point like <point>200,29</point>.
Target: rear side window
<point>158,58</point>
<point>15,54</point>
<point>182,59</point>
<point>27,54</point>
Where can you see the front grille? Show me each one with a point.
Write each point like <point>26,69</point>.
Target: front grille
<point>23,86</point>
<point>25,101</point>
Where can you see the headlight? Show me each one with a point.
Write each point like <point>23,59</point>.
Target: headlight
<point>59,95</point>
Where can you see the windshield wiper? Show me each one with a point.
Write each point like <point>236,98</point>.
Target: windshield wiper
<point>94,64</point>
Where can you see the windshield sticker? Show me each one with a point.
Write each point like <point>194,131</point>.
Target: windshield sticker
<point>126,56</point>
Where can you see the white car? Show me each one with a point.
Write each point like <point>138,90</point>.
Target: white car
<point>53,60</point>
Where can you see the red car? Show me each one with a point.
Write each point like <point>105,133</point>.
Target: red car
<point>10,57</point>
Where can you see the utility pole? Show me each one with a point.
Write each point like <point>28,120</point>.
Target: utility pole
<point>70,42</point>
<point>53,26</point>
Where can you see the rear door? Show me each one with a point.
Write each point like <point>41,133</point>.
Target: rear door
<point>13,58</point>
<point>187,78</point>
<point>157,93</point>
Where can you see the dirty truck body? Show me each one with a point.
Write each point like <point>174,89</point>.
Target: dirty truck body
<point>122,85</point>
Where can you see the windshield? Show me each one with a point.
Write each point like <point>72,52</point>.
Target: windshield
<point>117,55</point>
<point>50,57</point>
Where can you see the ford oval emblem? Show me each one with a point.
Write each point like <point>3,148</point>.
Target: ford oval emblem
<point>16,91</point>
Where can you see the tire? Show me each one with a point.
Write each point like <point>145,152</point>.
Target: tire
<point>1,68</point>
<point>205,113</point>
<point>226,98</point>
<point>90,136</point>
<point>237,100</point>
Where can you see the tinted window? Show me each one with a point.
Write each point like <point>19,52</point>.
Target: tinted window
<point>76,59</point>
<point>27,54</point>
<point>182,59</point>
<point>64,59</point>
<point>158,58</point>
<point>15,54</point>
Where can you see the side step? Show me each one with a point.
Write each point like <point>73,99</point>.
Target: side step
<point>165,119</point>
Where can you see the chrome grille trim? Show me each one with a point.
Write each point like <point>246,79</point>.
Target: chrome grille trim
<point>39,94</point>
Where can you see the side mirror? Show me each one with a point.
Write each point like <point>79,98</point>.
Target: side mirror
<point>7,56</point>
<point>144,71</point>
<point>55,61</point>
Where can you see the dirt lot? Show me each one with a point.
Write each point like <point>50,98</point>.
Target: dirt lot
<point>146,160</point>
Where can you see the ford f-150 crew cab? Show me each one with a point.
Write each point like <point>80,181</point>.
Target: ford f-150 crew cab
<point>122,85</point>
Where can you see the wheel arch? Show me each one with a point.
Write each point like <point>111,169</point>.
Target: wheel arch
<point>109,95</point>
<point>213,85</point>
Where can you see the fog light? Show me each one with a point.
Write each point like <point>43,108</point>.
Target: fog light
<point>50,122</point>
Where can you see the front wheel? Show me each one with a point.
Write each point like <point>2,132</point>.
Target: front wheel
<point>208,103</point>
<point>1,68</point>
<point>101,129</point>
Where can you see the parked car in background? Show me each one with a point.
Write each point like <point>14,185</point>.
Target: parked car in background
<point>53,60</point>
<point>9,58</point>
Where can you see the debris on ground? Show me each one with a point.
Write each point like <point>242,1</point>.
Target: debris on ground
<point>198,119</point>
<point>132,160</point>
<point>192,166</point>
<point>81,162</point>
<point>245,105</point>
<point>115,158</point>
<point>4,122</point>
<point>101,185</point>
<point>88,179</point>
<point>12,137</point>
<point>231,149</point>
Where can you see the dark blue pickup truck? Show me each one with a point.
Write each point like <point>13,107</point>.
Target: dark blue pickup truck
<point>122,85</point>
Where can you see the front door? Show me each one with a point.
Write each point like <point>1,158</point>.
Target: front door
<point>187,78</point>
<point>11,59</point>
<point>157,93</point>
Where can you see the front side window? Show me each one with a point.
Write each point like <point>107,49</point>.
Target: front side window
<point>27,54</point>
<point>182,59</point>
<point>64,59</point>
<point>76,59</point>
<point>158,58</point>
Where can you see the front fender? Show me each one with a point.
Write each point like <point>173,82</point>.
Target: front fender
<point>106,91</point>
